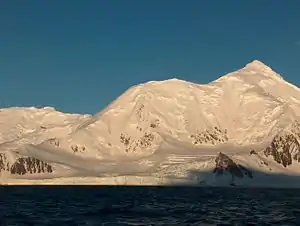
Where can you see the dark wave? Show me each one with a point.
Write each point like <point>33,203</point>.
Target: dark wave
<point>96,205</point>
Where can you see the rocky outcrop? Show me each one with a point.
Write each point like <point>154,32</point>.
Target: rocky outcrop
<point>4,164</point>
<point>76,148</point>
<point>225,164</point>
<point>24,165</point>
<point>29,165</point>
<point>210,136</point>
<point>253,152</point>
<point>132,145</point>
<point>54,142</point>
<point>284,149</point>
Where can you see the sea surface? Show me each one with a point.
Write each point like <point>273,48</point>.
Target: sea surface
<point>108,205</point>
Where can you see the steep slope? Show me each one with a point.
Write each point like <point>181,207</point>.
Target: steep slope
<point>166,130</point>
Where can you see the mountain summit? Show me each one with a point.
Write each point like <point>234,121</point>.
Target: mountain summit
<point>163,129</point>
<point>257,65</point>
<point>260,67</point>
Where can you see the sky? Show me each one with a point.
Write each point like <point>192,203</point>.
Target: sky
<point>78,56</point>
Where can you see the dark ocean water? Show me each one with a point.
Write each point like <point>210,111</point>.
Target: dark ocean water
<point>95,205</point>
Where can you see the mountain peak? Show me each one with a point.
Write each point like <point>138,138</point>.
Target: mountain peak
<point>260,67</point>
<point>257,64</point>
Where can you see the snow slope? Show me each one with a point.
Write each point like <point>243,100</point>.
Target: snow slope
<point>164,132</point>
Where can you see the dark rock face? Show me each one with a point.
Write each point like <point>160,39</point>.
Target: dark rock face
<point>132,145</point>
<point>226,164</point>
<point>76,148</point>
<point>284,148</point>
<point>24,165</point>
<point>212,136</point>
<point>29,165</point>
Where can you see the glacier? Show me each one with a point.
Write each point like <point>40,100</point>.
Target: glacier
<point>242,129</point>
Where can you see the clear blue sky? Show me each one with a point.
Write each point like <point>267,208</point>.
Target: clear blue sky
<point>78,56</point>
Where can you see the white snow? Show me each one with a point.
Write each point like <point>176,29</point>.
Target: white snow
<point>146,135</point>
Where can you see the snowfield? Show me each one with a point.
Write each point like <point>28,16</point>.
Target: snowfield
<point>239,130</point>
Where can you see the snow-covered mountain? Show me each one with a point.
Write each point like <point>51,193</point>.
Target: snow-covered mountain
<point>241,129</point>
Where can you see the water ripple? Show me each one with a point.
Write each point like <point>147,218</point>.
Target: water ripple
<point>83,205</point>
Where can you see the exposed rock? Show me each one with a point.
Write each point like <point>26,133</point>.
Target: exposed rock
<point>252,152</point>
<point>132,145</point>
<point>76,148</point>
<point>139,128</point>
<point>140,113</point>
<point>155,123</point>
<point>226,164</point>
<point>4,164</point>
<point>29,165</point>
<point>212,136</point>
<point>24,165</point>
<point>284,148</point>
<point>54,141</point>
